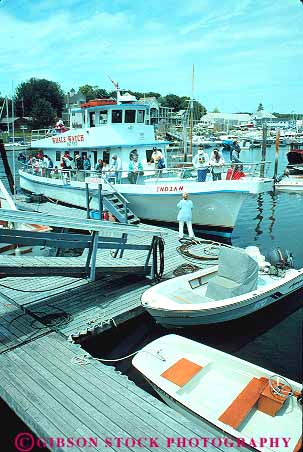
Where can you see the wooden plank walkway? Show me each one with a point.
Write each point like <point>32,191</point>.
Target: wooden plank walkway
<point>67,266</point>
<point>92,306</point>
<point>56,398</point>
<point>17,327</point>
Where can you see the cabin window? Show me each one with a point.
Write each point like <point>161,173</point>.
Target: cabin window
<point>116,116</point>
<point>130,116</point>
<point>140,115</point>
<point>92,119</point>
<point>105,157</point>
<point>103,116</point>
<point>58,156</point>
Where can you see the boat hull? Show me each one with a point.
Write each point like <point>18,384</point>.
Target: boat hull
<point>218,381</point>
<point>255,302</point>
<point>216,205</point>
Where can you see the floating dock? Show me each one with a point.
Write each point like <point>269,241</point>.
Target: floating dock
<point>42,322</point>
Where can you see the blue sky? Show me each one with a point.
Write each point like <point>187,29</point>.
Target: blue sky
<point>244,51</point>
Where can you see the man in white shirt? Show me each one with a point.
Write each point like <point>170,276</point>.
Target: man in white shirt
<point>200,161</point>
<point>116,167</point>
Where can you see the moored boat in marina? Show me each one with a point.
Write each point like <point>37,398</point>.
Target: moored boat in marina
<point>240,284</point>
<point>295,153</point>
<point>121,130</point>
<point>245,403</point>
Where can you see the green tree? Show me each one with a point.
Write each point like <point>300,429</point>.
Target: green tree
<point>88,91</point>
<point>172,101</point>
<point>43,114</point>
<point>216,110</point>
<point>100,92</point>
<point>28,93</point>
<point>199,109</point>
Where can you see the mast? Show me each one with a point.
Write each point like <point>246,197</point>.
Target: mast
<point>191,115</point>
<point>13,133</point>
<point>7,115</point>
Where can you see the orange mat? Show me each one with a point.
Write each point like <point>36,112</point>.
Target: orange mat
<point>181,372</point>
<point>243,403</point>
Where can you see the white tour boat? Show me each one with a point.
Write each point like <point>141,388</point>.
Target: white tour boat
<point>104,128</point>
<point>246,404</point>
<point>240,284</point>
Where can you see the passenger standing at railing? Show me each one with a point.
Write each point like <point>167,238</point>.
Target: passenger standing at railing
<point>235,172</point>
<point>200,161</point>
<point>86,163</point>
<point>99,167</point>
<point>216,163</point>
<point>135,168</point>
<point>115,168</point>
<point>78,162</point>
<point>158,160</point>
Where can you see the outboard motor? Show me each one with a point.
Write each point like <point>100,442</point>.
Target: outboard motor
<point>280,259</point>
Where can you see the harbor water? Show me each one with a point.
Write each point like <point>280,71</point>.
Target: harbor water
<point>270,338</point>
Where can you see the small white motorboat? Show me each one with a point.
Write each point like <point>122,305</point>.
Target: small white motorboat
<point>246,404</point>
<point>240,284</point>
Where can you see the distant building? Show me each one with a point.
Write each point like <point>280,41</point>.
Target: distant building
<point>157,114</point>
<point>72,101</point>
<point>225,120</point>
<point>24,123</point>
<point>262,117</point>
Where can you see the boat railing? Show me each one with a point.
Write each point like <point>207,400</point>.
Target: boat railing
<point>39,134</point>
<point>182,171</point>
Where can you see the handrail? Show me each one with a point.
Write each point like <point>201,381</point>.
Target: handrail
<point>181,171</point>
<point>120,195</point>
<point>18,216</point>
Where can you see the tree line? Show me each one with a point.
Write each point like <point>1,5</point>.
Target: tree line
<point>44,100</point>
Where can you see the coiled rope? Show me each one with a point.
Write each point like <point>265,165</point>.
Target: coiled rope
<point>158,254</point>
<point>208,250</point>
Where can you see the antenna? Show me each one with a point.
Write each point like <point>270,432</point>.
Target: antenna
<point>116,85</point>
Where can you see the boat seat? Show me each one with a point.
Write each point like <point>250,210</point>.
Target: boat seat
<point>189,296</point>
<point>237,411</point>
<point>181,372</point>
<point>237,274</point>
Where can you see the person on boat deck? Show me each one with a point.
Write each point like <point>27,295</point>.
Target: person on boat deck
<point>78,162</point>
<point>21,157</point>
<point>158,160</point>
<point>201,161</point>
<point>86,163</point>
<point>235,151</point>
<point>99,167</point>
<point>216,163</point>
<point>115,168</point>
<point>185,216</point>
<point>135,168</point>
<point>59,126</point>
<point>155,157</point>
<point>235,172</point>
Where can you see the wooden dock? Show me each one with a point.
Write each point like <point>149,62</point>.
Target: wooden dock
<point>57,398</point>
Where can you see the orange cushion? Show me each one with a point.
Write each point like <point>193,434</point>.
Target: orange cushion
<point>181,372</point>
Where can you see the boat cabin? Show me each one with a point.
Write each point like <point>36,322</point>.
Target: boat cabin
<point>103,112</point>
